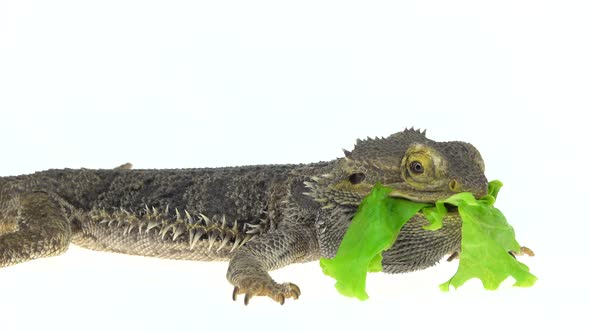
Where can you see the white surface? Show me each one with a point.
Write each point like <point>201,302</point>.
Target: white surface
<point>192,84</point>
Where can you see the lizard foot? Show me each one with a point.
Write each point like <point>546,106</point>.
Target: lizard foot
<point>523,251</point>
<point>277,292</point>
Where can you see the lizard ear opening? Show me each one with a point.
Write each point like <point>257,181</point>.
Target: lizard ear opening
<point>356,178</point>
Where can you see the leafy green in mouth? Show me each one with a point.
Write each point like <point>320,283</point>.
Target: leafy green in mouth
<point>487,239</point>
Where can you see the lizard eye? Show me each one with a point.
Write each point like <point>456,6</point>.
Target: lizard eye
<point>356,178</point>
<point>416,167</point>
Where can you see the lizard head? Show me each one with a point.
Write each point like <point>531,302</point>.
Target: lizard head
<point>419,169</point>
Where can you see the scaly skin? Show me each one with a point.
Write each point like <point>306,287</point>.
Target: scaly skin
<point>259,218</point>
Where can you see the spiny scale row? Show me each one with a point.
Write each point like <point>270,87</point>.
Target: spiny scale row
<point>327,196</point>
<point>181,227</point>
<point>318,191</point>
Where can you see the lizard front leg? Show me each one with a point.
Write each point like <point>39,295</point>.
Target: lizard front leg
<point>249,266</point>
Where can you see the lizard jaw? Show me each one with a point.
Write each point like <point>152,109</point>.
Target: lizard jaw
<point>429,198</point>
<point>420,197</point>
<point>432,196</point>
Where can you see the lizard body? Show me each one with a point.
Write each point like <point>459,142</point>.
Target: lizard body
<point>258,217</point>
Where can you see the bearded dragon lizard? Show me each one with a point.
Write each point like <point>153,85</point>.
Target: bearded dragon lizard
<point>259,218</point>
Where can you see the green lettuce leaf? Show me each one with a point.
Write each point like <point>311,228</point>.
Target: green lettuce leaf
<point>373,230</point>
<point>486,239</point>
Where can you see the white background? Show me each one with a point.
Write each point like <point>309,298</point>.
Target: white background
<point>167,84</point>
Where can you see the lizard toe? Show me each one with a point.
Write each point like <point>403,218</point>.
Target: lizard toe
<point>277,292</point>
<point>523,251</point>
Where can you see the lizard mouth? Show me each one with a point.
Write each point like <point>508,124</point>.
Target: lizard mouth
<point>420,197</point>
<point>430,198</point>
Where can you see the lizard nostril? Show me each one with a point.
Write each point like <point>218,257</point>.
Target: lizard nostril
<point>454,186</point>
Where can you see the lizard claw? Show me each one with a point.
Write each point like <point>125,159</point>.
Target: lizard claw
<point>247,298</point>
<point>277,292</point>
<point>453,256</point>
<point>234,295</point>
<point>523,251</point>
